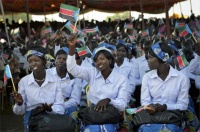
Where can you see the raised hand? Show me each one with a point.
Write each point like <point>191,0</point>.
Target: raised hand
<point>72,39</point>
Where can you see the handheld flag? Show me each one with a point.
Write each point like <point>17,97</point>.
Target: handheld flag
<point>145,33</point>
<point>54,35</point>
<point>69,12</point>
<point>92,30</point>
<point>81,39</point>
<point>15,33</point>
<point>5,56</point>
<point>181,62</point>
<point>47,30</point>
<point>71,27</point>
<point>84,52</point>
<point>128,26</point>
<point>132,38</point>
<point>7,73</point>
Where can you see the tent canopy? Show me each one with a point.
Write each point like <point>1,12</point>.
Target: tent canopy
<point>52,6</point>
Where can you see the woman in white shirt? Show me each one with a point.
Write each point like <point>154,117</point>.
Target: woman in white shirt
<point>105,86</point>
<point>163,88</point>
<point>38,89</point>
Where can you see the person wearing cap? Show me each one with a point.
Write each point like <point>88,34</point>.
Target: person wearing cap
<point>163,88</point>
<point>38,89</point>
<point>71,87</point>
<point>105,85</point>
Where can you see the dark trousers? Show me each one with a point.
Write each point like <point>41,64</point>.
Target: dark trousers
<point>137,95</point>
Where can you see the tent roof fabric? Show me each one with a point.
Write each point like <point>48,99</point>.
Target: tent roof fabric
<point>52,6</point>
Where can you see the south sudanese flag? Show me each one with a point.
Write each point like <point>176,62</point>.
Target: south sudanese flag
<point>71,27</point>
<point>69,12</point>
<point>181,62</point>
<point>132,38</point>
<point>179,25</point>
<point>81,39</point>
<point>91,30</point>
<point>47,30</point>
<point>145,33</point>
<point>83,52</point>
<point>53,36</point>
<point>128,26</point>
<point>15,33</point>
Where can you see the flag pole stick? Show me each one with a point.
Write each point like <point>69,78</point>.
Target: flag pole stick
<point>12,79</point>
<point>2,11</point>
<point>194,38</point>
<point>13,84</point>
<point>62,28</point>
<point>75,26</point>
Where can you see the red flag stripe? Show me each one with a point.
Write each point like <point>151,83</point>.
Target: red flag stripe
<point>81,53</point>
<point>184,33</point>
<point>180,62</point>
<point>89,30</point>
<point>4,78</point>
<point>144,34</point>
<point>5,56</point>
<point>181,24</point>
<point>66,12</point>
<point>72,27</point>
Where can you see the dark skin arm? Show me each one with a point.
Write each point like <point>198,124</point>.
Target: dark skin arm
<point>72,42</point>
<point>101,105</point>
<point>17,98</point>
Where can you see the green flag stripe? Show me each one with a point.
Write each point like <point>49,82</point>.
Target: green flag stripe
<point>81,49</point>
<point>72,8</point>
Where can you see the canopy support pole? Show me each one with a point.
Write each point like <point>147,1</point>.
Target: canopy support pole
<point>129,8</point>
<point>44,11</point>
<point>6,30</point>
<point>141,8</point>
<point>191,6</point>
<point>167,19</point>
<point>28,22</point>
<point>181,9</point>
<point>79,24</point>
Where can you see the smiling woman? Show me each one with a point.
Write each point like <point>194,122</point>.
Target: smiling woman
<point>106,87</point>
<point>38,89</point>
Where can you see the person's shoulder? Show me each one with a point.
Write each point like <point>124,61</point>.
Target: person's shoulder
<point>25,78</point>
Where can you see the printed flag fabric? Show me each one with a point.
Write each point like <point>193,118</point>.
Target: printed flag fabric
<point>15,33</point>
<point>92,30</point>
<point>132,38</point>
<point>53,36</point>
<point>70,27</point>
<point>145,33</point>
<point>83,52</point>
<point>179,25</point>
<point>181,62</point>
<point>47,30</point>
<point>5,56</point>
<point>81,39</point>
<point>128,26</point>
<point>69,12</point>
<point>7,73</point>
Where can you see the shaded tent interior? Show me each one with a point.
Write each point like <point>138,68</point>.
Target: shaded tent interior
<point>52,6</point>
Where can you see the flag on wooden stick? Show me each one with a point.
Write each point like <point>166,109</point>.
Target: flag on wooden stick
<point>69,12</point>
